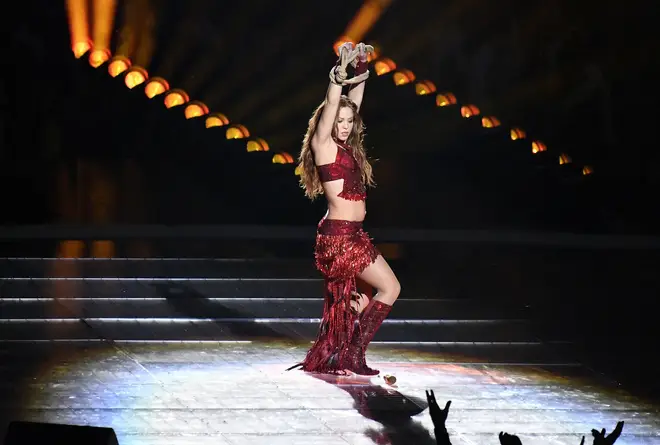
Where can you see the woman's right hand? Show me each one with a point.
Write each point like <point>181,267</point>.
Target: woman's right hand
<point>348,46</point>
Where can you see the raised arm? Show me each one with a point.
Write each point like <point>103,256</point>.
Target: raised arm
<point>356,91</point>
<point>338,76</point>
<point>327,120</point>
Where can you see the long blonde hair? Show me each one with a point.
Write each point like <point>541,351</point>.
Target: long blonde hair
<point>309,176</point>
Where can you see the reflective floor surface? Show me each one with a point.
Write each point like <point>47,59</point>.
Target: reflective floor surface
<point>239,393</point>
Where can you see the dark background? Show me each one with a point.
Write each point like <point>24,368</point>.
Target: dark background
<point>78,147</point>
<point>575,75</point>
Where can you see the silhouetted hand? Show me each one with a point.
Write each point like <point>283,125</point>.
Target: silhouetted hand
<point>582,441</point>
<point>509,439</point>
<point>601,439</point>
<point>439,416</point>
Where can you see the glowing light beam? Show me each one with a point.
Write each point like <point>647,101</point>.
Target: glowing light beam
<point>363,21</point>
<point>104,18</point>
<point>77,15</point>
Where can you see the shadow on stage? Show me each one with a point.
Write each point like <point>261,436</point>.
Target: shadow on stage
<point>387,406</point>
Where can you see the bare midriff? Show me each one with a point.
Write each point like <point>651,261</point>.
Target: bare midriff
<point>340,208</point>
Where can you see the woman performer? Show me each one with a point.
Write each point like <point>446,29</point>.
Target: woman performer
<point>333,162</point>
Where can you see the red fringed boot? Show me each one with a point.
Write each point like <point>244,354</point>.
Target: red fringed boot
<point>370,320</point>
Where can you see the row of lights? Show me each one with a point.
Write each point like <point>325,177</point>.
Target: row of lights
<point>156,86</point>
<point>384,65</point>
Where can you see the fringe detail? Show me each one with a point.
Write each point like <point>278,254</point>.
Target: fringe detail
<point>335,331</point>
<point>343,250</point>
<point>353,195</point>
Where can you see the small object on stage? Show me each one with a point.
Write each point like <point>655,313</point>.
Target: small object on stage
<point>389,379</point>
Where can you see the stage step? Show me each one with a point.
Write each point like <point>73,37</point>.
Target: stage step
<point>181,307</point>
<point>111,287</point>
<point>155,268</point>
<point>226,329</point>
<point>152,300</point>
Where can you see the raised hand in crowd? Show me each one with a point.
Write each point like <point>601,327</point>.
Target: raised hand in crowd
<point>601,439</point>
<point>439,417</point>
<point>509,439</point>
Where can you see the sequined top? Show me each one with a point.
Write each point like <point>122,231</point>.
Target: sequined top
<point>345,167</point>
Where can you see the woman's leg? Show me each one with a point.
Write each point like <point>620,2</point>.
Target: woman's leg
<point>380,275</point>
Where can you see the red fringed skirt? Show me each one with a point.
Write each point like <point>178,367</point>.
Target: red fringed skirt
<point>343,250</point>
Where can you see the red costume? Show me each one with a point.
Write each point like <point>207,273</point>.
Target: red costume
<point>343,250</point>
<point>345,167</point>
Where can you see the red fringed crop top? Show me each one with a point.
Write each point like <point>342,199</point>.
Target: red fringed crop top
<point>345,167</point>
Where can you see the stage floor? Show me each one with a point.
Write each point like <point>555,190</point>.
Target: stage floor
<point>238,393</point>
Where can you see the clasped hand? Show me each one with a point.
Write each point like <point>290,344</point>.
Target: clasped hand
<point>350,55</point>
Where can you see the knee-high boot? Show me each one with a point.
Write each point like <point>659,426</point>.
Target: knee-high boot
<point>370,320</point>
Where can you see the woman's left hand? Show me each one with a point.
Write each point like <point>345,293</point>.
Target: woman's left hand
<point>364,51</point>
